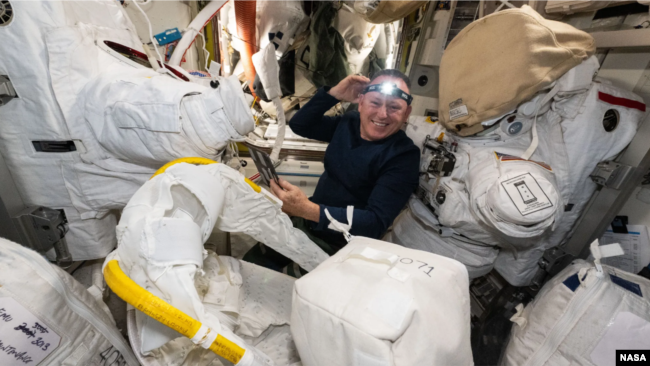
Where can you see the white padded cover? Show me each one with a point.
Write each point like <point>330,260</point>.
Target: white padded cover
<point>63,309</point>
<point>376,303</point>
<point>580,319</point>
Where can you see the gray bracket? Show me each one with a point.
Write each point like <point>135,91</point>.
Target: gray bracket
<point>44,228</point>
<point>7,91</point>
<point>610,174</point>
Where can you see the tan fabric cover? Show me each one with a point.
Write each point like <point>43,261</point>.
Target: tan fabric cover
<point>501,60</point>
<point>390,11</point>
<point>538,5</point>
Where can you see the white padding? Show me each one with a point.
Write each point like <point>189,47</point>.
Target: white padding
<point>354,312</point>
<point>583,316</point>
<point>176,241</point>
<point>59,311</point>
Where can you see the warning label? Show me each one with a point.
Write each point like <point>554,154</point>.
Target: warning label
<point>458,112</point>
<point>526,194</point>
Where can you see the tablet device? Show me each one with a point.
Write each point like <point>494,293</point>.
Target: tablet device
<point>265,166</point>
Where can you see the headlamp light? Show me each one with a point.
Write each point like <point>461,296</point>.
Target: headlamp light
<point>389,89</point>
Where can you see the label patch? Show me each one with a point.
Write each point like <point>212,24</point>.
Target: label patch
<point>457,109</point>
<point>526,194</point>
<point>24,339</point>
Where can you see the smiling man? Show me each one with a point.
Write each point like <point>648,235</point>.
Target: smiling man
<point>370,163</point>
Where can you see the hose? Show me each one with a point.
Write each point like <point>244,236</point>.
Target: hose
<point>199,161</point>
<point>195,27</point>
<point>245,14</point>
<point>168,315</point>
<point>282,126</point>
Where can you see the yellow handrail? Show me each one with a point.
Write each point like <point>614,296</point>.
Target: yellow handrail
<point>200,161</point>
<point>163,312</point>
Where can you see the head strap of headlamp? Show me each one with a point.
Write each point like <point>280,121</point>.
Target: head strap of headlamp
<point>389,89</point>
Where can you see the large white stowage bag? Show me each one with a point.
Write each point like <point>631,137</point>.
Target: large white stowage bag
<point>380,304</point>
<point>581,318</point>
<point>48,318</point>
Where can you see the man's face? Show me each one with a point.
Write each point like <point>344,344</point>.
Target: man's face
<point>382,115</point>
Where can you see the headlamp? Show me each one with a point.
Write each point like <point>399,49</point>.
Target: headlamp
<point>389,89</point>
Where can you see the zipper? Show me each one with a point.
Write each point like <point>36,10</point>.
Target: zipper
<point>81,309</point>
<point>566,322</point>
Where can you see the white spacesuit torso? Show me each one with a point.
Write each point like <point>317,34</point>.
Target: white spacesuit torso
<point>118,120</point>
<point>497,210</point>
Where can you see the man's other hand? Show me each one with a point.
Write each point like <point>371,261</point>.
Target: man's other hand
<point>294,201</point>
<point>348,89</point>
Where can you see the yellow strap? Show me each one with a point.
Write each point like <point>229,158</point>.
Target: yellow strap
<point>199,161</point>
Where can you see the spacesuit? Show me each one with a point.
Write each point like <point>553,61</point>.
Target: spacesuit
<point>112,119</point>
<point>496,191</point>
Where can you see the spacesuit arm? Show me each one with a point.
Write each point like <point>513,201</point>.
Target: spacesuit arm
<point>310,121</point>
<point>395,185</point>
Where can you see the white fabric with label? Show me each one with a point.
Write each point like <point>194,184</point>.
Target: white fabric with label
<point>38,174</point>
<point>518,198</point>
<point>374,303</point>
<point>52,320</point>
<point>582,315</point>
<point>417,228</point>
<point>193,200</point>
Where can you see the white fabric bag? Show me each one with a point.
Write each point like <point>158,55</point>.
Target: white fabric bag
<point>581,317</point>
<point>376,303</point>
<point>48,318</point>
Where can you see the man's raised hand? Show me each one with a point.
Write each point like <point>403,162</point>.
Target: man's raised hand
<point>348,89</point>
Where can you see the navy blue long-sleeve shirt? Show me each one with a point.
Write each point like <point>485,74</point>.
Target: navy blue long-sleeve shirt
<point>376,177</point>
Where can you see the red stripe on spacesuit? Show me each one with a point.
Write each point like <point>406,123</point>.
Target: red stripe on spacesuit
<point>623,102</point>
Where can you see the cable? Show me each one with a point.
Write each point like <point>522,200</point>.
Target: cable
<point>153,41</point>
<point>205,52</point>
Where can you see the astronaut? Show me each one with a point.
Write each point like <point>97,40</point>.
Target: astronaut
<point>91,120</point>
<point>505,174</point>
